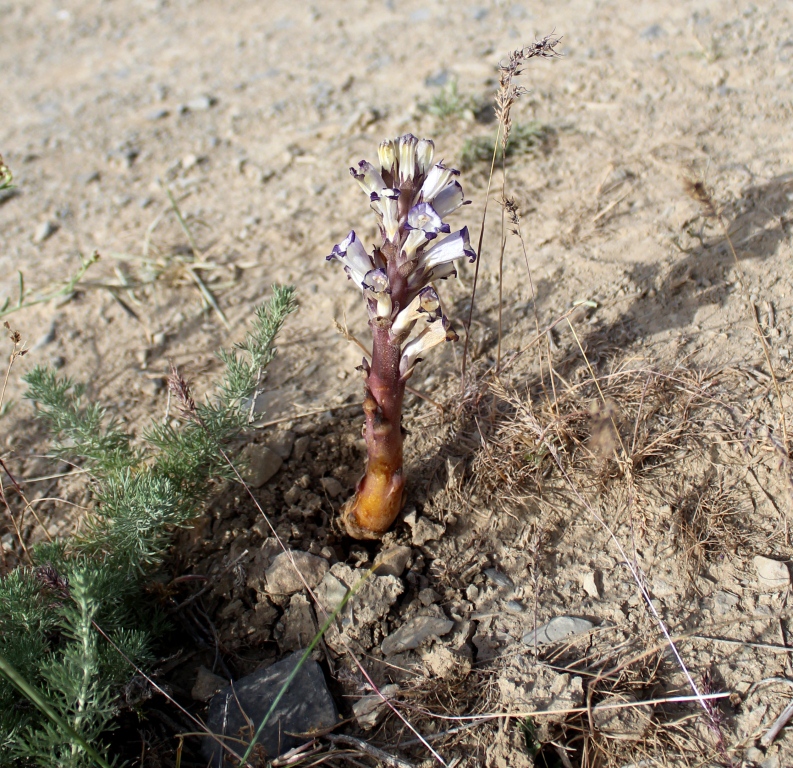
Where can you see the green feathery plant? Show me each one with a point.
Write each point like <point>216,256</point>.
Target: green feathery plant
<point>60,678</point>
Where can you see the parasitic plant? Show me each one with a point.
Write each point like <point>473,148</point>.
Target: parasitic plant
<point>410,195</point>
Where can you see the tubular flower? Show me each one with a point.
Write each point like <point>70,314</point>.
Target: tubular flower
<point>410,195</point>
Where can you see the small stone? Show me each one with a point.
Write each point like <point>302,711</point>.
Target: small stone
<point>590,584</point>
<point>392,561</point>
<point>157,114</point>
<point>513,606</point>
<point>297,628</point>
<point>44,231</point>
<point>332,486</point>
<point>370,710</point>
<point>724,602</point>
<point>8,541</point>
<point>190,161</point>
<point>301,447</point>
<point>306,707</point>
<point>414,632</point>
<point>472,593</point>
<point>282,443</point>
<point>200,104</point>
<point>424,530</point>
<point>261,464</point>
<point>283,579</point>
<point>624,723</point>
<point>207,685</point>
<point>558,629</point>
<point>772,574</point>
<point>428,596</point>
<point>498,578</point>
<point>159,339</point>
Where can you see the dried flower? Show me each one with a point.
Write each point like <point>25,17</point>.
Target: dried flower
<point>410,195</point>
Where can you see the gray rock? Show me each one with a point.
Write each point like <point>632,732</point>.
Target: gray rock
<point>261,464</point>
<point>558,629</point>
<point>207,685</point>
<point>332,486</point>
<point>297,627</point>
<point>414,632</point>
<point>772,574</point>
<point>499,578</point>
<point>306,706</point>
<point>301,447</point>
<point>724,602</point>
<point>424,530</point>
<point>370,710</point>
<point>282,443</point>
<point>428,596</point>
<point>282,578</point>
<point>44,231</point>
<point>392,561</point>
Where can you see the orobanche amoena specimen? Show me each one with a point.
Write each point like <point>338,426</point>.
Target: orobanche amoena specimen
<point>410,196</point>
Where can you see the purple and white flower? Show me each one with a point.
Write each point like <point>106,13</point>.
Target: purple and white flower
<point>368,177</point>
<point>353,255</point>
<point>426,304</point>
<point>423,225</point>
<point>455,246</point>
<point>438,177</point>
<point>377,290</point>
<point>385,203</point>
<point>430,337</point>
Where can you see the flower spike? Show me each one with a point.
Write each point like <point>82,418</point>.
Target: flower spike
<point>411,195</point>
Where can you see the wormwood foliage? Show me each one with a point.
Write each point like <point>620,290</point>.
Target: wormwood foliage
<point>51,613</point>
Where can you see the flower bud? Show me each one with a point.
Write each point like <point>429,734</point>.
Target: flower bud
<point>385,202</point>
<point>377,290</point>
<point>438,177</point>
<point>368,177</point>
<point>425,150</point>
<point>407,156</point>
<point>387,154</point>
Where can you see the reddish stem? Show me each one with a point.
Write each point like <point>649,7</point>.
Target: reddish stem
<point>379,495</point>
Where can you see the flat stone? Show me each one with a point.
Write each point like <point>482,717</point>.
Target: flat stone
<point>305,707</point>
<point>499,578</point>
<point>392,561</point>
<point>283,579</point>
<point>425,530</point>
<point>282,443</point>
<point>370,710</point>
<point>558,629</point>
<point>44,231</point>
<point>414,632</point>
<point>260,464</point>
<point>207,685</point>
<point>772,574</point>
<point>301,447</point>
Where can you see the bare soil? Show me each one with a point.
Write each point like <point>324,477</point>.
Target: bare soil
<point>653,452</point>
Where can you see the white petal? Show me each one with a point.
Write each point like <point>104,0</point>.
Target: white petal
<point>385,203</point>
<point>377,288</point>
<point>438,177</point>
<point>430,337</point>
<point>407,156</point>
<point>368,177</point>
<point>425,150</point>
<point>387,154</point>
<point>451,248</point>
<point>449,199</point>
<point>353,255</point>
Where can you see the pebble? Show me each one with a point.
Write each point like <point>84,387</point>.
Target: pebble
<point>590,584</point>
<point>282,442</point>
<point>305,707</point>
<point>772,574</point>
<point>414,632</point>
<point>200,104</point>
<point>393,561</point>
<point>370,710</point>
<point>301,447</point>
<point>332,486</point>
<point>207,685</point>
<point>557,629</point>
<point>157,114</point>
<point>724,602</point>
<point>498,578</point>
<point>7,541</point>
<point>424,530</point>
<point>44,231</point>
<point>261,464</point>
<point>428,596</point>
<point>282,578</point>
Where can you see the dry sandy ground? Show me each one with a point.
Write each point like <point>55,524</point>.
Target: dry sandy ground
<point>251,114</point>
